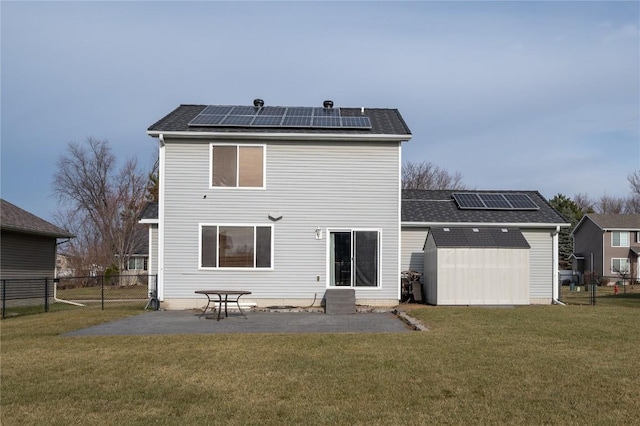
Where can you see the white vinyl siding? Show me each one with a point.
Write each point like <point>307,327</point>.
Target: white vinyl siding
<point>413,240</point>
<point>313,185</point>
<point>540,263</point>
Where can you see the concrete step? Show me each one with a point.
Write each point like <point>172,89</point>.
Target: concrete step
<point>340,301</point>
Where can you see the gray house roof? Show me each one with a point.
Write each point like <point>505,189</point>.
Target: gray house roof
<point>383,122</point>
<point>478,238</point>
<point>433,207</point>
<point>13,218</point>
<point>612,222</point>
<point>149,213</point>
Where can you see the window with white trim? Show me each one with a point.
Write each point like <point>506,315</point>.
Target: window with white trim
<point>236,246</point>
<point>137,264</point>
<point>237,166</point>
<point>619,239</point>
<point>620,265</point>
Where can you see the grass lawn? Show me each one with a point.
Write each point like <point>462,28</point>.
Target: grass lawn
<point>526,365</point>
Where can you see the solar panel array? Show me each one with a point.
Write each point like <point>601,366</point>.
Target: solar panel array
<point>494,201</point>
<point>270,116</point>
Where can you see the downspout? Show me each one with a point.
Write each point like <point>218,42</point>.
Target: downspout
<point>555,292</point>
<point>160,268</point>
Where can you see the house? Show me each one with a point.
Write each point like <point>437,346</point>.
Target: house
<point>606,246</point>
<point>28,252</point>
<point>285,202</point>
<point>482,247</point>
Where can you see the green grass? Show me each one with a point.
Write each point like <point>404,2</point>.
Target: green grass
<point>526,365</point>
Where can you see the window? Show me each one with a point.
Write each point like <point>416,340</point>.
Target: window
<point>137,264</point>
<point>619,239</point>
<point>237,166</point>
<point>620,266</point>
<point>236,246</point>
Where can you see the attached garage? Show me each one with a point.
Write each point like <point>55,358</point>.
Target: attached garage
<point>476,266</point>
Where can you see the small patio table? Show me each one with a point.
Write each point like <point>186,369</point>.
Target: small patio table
<point>235,297</point>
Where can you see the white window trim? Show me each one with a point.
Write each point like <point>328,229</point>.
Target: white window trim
<point>327,233</point>
<point>218,268</point>
<point>621,258</point>
<point>237,187</point>
<point>620,232</point>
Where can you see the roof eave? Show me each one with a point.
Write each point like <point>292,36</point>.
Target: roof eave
<point>337,137</point>
<point>36,232</point>
<point>408,224</point>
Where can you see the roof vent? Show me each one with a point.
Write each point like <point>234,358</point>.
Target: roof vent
<point>328,104</point>
<point>258,102</point>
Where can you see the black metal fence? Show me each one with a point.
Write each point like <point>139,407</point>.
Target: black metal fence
<point>600,290</point>
<point>43,294</point>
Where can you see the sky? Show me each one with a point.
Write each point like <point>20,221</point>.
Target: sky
<point>513,95</point>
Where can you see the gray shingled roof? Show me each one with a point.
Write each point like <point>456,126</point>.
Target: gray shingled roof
<point>383,122</point>
<point>438,206</point>
<point>478,238</point>
<point>150,211</point>
<point>13,218</point>
<point>615,221</point>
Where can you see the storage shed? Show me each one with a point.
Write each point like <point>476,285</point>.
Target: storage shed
<point>476,266</point>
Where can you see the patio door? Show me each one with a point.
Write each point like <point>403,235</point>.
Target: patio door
<point>354,258</point>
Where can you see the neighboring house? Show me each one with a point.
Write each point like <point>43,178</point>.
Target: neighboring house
<point>28,252</point>
<point>482,247</point>
<point>285,202</point>
<point>607,245</point>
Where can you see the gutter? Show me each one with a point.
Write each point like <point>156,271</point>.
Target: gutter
<point>324,137</point>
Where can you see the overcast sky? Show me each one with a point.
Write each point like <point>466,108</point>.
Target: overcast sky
<point>514,95</point>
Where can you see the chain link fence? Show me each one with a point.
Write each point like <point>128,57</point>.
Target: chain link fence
<point>29,295</point>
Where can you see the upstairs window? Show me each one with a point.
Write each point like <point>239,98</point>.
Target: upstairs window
<point>620,239</point>
<point>237,166</point>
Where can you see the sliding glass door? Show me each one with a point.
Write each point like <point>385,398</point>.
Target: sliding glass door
<point>354,258</point>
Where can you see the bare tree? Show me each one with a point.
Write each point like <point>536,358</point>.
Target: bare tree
<point>610,204</point>
<point>99,202</point>
<point>426,175</point>
<point>584,203</point>
<point>634,182</point>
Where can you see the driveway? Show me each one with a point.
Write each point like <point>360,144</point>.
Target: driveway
<point>187,322</point>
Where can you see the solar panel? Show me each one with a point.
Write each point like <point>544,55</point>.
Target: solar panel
<point>207,120</point>
<point>326,122</point>
<point>495,201</point>
<point>293,121</point>
<point>521,201</point>
<point>245,110</point>
<point>269,110</point>
<point>238,120</point>
<point>300,111</point>
<point>357,122</point>
<point>326,112</point>
<point>267,120</point>
<point>468,201</point>
<point>273,116</point>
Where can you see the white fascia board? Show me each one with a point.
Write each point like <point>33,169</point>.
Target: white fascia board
<point>620,229</point>
<point>481,225</point>
<point>324,137</point>
<point>149,221</point>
